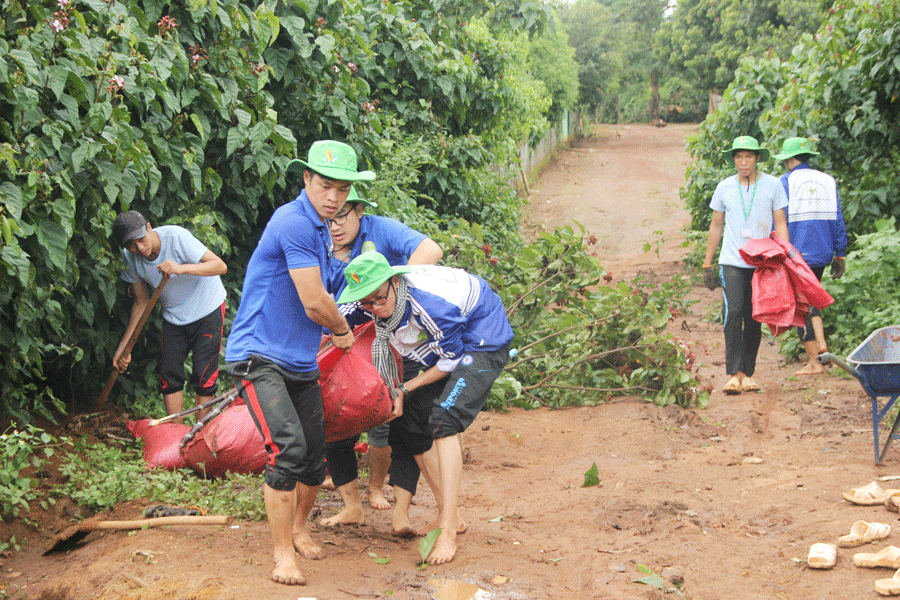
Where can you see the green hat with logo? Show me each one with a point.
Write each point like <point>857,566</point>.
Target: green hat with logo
<point>746,142</point>
<point>794,146</point>
<point>355,198</point>
<point>334,160</point>
<point>365,274</point>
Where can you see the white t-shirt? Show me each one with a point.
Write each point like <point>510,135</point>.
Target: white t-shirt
<point>748,213</point>
<point>186,298</point>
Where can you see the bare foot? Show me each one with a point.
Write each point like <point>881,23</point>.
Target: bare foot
<point>811,369</point>
<point>443,551</point>
<point>406,533</point>
<point>348,516</point>
<point>328,484</point>
<point>401,526</point>
<point>377,500</point>
<point>461,528</point>
<point>307,547</point>
<point>287,572</point>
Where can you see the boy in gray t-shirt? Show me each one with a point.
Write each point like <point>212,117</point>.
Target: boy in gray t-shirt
<point>193,303</point>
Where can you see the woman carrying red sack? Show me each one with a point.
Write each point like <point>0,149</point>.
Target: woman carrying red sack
<point>744,206</point>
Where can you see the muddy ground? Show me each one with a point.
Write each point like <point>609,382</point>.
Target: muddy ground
<point>730,496</point>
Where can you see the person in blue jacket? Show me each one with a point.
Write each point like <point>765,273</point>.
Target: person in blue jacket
<point>817,230</point>
<point>353,231</point>
<point>455,327</point>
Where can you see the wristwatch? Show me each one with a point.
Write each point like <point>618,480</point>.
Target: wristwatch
<point>403,389</point>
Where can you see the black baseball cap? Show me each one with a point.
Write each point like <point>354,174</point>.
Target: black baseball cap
<point>129,226</point>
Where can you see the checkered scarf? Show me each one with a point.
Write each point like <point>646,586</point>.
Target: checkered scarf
<point>381,349</point>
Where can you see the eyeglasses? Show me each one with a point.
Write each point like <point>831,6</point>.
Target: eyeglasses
<point>377,300</point>
<point>342,218</point>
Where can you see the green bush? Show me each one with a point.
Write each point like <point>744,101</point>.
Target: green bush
<point>865,297</point>
<point>25,452</point>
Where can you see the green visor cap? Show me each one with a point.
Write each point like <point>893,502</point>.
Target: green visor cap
<point>365,274</point>
<point>334,160</point>
<point>355,198</point>
<point>745,142</point>
<point>794,146</point>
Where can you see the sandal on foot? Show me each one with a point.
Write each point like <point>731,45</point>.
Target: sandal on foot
<point>889,587</point>
<point>733,386</point>
<point>749,385</point>
<point>886,557</point>
<point>862,533</point>
<point>822,556</point>
<point>868,495</point>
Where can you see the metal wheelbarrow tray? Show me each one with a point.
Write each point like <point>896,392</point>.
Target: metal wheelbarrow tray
<point>876,364</point>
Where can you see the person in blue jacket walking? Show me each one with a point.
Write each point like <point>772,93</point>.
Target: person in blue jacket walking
<point>454,326</point>
<point>816,227</point>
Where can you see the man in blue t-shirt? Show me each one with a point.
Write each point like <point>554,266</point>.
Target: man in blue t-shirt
<point>351,232</point>
<point>816,226</point>
<point>193,303</point>
<point>271,350</point>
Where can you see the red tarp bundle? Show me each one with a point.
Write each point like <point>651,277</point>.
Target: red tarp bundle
<point>354,399</point>
<point>784,287</point>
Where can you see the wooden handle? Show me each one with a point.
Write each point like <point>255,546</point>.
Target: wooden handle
<point>101,399</point>
<point>163,521</point>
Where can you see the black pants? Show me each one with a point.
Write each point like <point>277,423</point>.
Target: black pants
<point>806,332</point>
<point>287,409</point>
<point>204,339</point>
<point>409,434</point>
<point>742,332</point>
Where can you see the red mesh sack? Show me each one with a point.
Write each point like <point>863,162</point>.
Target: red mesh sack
<point>354,396</point>
<point>231,442</point>
<point>160,443</point>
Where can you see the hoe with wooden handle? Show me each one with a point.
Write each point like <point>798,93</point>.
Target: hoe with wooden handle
<point>101,399</point>
<point>74,534</point>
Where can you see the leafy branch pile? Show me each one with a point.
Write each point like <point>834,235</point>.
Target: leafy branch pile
<point>125,477</point>
<point>580,339</point>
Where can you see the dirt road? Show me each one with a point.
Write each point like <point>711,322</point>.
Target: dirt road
<point>731,496</point>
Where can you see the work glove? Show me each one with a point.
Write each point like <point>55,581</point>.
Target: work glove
<point>837,267</point>
<point>710,277</point>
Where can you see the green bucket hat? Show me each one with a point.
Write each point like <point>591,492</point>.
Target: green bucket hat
<point>334,160</point>
<point>745,142</point>
<point>794,146</point>
<point>365,274</point>
<point>355,198</point>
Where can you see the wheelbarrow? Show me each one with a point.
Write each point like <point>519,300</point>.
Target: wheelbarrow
<point>876,364</point>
